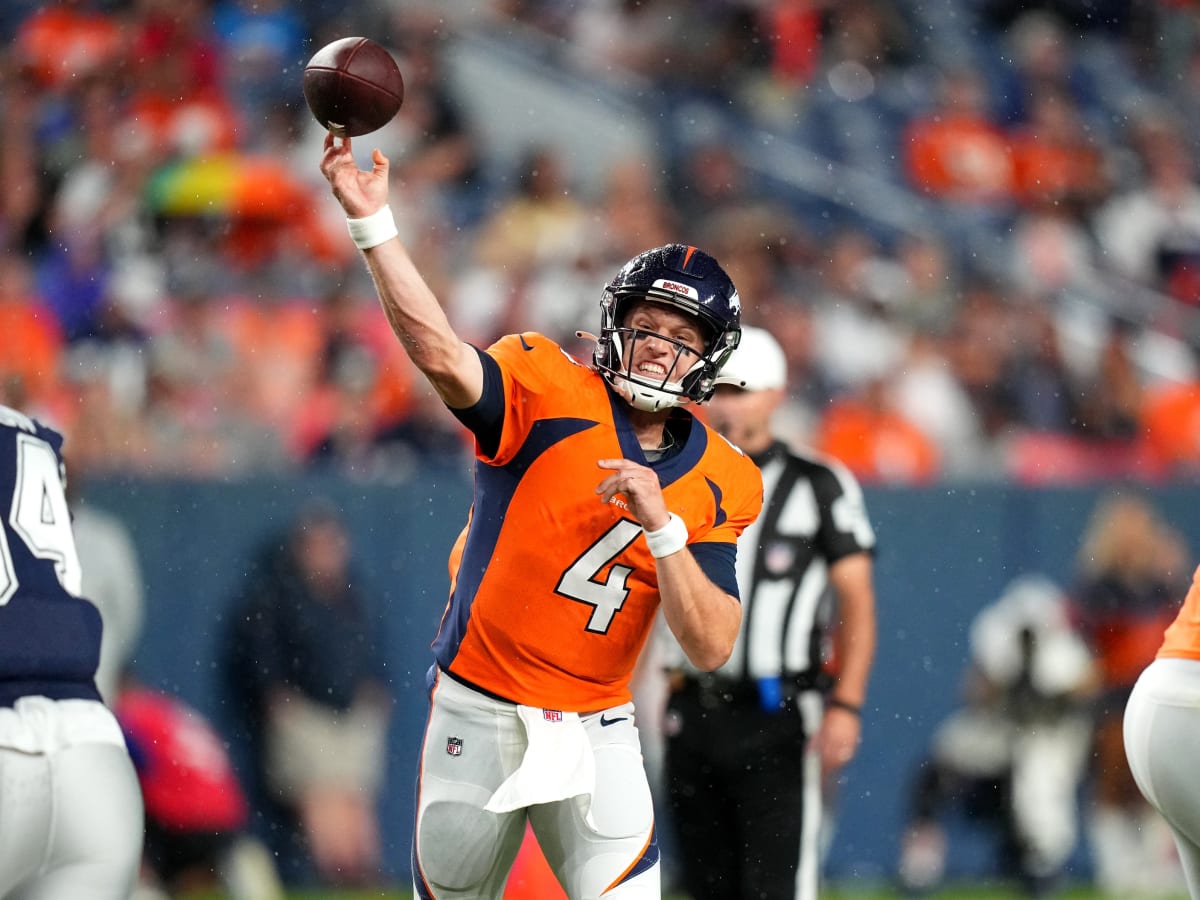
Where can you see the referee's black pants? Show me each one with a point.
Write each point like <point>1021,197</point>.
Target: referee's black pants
<point>735,786</point>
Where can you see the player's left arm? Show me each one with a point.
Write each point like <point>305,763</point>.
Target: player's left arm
<point>703,616</point>
<point>854,637</point>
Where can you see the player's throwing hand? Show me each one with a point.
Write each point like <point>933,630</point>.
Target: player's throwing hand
<point>360,192</point>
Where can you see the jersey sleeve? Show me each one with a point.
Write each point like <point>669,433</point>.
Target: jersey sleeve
<point>845,526</point>
<point>738,489</point>
<point>532,366</point>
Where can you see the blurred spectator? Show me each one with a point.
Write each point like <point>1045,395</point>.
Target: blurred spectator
<point>928,292</point>
<point>1132,568</point>
<point>1110,402</point>
<point>26,323</point>
<point>956,151</point>
<point>1044,393</point>
<point>1013,755</point>
<point>1055,161</point>
<point>1042,56</point>
<point>1051,250</point>
<point>625,36</point>
<point>23,201</point>
<point>304,668</point>
<point>926,393</point>
<point>1171,424</point>
<point>361,372</point>
<point>789,317</point>
<point>67,40</point>
<point>542,224</point>
<point>857,339</point>
<point>635,211</point>
<point>796,29</point>
<point>437,153</point>
<point>980,344</point>
<point>707,179</point>
<point>542,220</point>
<point>1151,231</point>
<point>178,104</point>
<point>261,48</point>
<point>874,440</point>
<point>196,810</point>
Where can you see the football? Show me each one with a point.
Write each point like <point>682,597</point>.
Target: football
<point>353,86</point>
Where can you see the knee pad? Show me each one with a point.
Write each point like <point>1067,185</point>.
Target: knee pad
<point>622,806</point>
<point>457,844</point>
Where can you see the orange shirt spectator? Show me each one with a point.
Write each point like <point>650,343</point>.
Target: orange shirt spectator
<point>1171,424</point>
<point>1052,158</point>
<point>876,443</point>
<point>62,42</point>
<point>795,29</point>
<point>31,334</point>
<point>956,152</point>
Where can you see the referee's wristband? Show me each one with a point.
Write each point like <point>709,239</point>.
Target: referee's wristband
<point>671,538</point>
<point>835,703</point>
<point>373,230</point>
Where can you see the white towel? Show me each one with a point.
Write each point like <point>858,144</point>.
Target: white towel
<point>558,763</point>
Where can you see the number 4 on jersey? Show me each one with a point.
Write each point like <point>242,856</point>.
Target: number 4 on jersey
<point>579,583</point>
<point>39,516</point>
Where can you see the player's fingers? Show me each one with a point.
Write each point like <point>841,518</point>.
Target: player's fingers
<point>614,463</point>
<point>379,161</point>
<point>607,489</point>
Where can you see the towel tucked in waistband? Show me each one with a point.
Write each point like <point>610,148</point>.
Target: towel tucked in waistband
<point>558,763</point>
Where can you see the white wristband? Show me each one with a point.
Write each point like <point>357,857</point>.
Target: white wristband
<point>671,538</point>
<point>371,231</point>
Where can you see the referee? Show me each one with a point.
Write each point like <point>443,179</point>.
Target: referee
<point>747,746</point>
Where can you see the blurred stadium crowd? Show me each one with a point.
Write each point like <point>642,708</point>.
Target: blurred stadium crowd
<point>177,291</point>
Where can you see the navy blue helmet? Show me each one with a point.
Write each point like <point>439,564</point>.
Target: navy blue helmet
<point>689,281</point>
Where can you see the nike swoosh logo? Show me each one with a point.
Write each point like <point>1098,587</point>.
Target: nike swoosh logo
<point>604,723</point>
<point>524,345</point>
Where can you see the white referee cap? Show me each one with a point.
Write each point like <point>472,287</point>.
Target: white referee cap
<point>757,364</point>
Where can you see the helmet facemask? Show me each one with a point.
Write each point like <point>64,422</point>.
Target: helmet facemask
<point>689,282</point>
<point>615,353</point>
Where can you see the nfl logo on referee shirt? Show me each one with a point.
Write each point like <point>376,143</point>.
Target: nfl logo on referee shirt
<point>552,715</point>
<point>454,746</point>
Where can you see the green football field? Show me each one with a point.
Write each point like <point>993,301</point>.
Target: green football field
<point>954,892</point>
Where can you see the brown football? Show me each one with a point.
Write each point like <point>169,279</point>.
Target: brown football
<point>353,86</point>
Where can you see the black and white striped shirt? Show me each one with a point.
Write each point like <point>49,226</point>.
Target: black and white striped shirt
<point>813,515</point>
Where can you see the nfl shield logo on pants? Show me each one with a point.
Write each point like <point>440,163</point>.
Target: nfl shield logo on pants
<point>454,746</point>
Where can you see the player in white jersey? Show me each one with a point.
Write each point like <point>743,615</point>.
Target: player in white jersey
<point>70,806</point>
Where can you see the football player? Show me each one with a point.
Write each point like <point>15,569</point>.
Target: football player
<point>1161,722</point>
<point>598,497</point>
<point>70,806</point>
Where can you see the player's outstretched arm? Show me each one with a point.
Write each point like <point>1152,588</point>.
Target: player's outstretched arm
<point>452,367</point>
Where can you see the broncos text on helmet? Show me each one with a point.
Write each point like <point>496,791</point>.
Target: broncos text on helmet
<point>692,283</point>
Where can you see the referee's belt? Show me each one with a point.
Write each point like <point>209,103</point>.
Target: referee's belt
<point>715,690</point>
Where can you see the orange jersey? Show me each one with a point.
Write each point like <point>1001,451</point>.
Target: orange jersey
<point>1182,637</point>
<point>554,592</point>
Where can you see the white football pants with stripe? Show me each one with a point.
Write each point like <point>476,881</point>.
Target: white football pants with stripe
<point>473,744</point>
